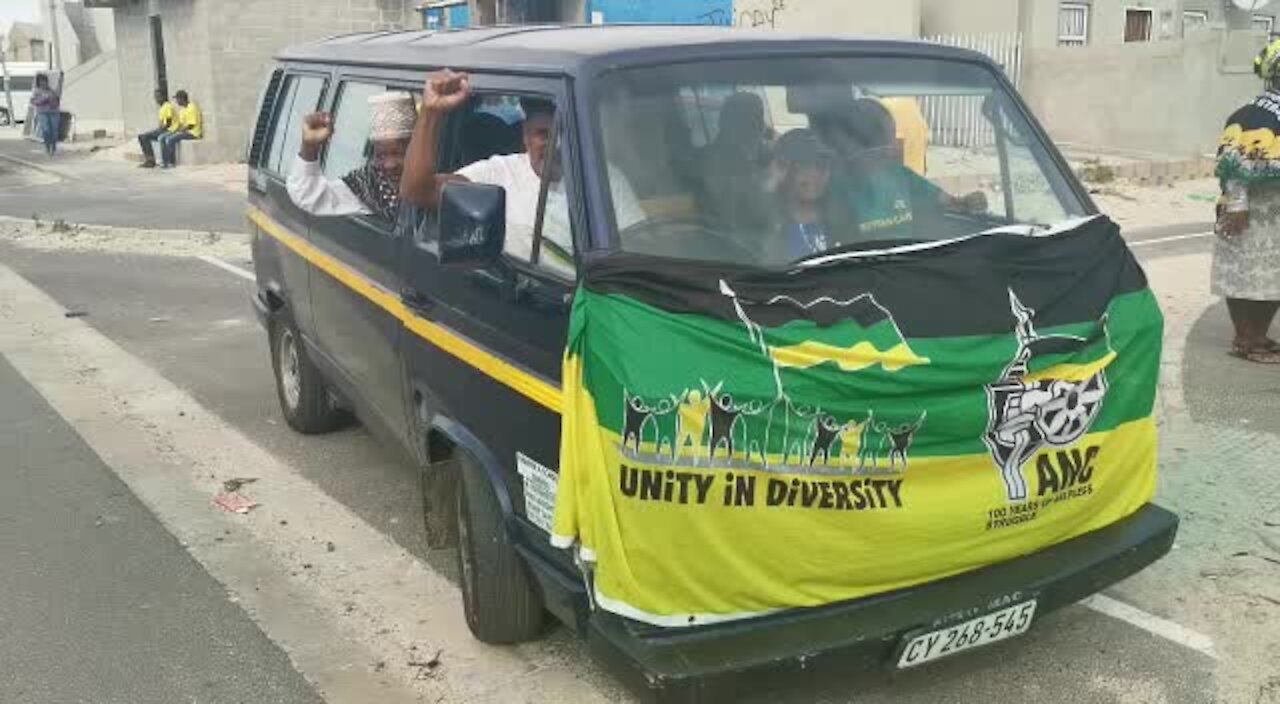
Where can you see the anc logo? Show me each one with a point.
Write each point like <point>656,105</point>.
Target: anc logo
<point>1049,394</point>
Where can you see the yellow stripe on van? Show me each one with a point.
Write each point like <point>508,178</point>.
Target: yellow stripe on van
<point>488,363</point>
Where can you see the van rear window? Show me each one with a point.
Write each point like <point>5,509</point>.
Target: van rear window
<point>301,96</point>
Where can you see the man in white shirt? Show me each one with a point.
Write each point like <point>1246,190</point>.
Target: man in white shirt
<point>520,175</point>
<point>373,189</point>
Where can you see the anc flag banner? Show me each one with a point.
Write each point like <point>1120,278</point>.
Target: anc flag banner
<point>737,441</point>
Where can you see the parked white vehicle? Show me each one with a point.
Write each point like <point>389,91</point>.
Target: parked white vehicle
<point>21,78</point>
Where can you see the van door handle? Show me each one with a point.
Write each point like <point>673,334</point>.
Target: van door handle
<point>416,301</point>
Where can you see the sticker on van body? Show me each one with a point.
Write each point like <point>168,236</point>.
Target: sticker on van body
<point>539,491</point>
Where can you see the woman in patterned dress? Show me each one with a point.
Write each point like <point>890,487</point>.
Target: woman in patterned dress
<point>1246,256</point>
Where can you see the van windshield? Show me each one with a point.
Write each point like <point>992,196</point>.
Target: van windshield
<point>772,162</point>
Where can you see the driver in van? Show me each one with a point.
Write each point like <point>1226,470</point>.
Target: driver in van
<point>520,175</point>
<point>373,189</point>
<point>882,195</point>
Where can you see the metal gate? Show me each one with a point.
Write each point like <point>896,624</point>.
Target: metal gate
<point>957,121</point>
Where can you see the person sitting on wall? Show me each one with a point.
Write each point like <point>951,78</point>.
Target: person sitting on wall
<point>190,126</point>
<point>373,189</point>
<point>167,124</point>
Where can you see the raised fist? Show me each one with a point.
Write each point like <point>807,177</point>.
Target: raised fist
<point>317,128</point>
<point>445,91</point>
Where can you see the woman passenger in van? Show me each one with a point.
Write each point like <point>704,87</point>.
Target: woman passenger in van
<point>800,179</point>
<point>373,189</point>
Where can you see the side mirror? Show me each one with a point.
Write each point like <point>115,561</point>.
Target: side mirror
<point>473,223</point>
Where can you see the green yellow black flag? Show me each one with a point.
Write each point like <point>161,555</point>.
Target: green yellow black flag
<point>738,441</point>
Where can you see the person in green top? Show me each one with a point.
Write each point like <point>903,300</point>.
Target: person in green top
<point>885,199</point>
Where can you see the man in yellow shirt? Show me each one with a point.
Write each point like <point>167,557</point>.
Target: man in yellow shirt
<point>190,126</point>
<point>168,123</point>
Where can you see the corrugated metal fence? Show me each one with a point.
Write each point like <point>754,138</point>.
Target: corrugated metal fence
<point>957,121</point>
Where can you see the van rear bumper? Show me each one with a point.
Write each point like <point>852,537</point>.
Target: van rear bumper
<point>671,665</point>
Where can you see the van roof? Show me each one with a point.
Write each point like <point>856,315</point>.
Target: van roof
<point>576,49</point>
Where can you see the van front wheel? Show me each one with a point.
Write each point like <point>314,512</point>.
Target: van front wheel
<point>501,601</point>
<point>304,398</point>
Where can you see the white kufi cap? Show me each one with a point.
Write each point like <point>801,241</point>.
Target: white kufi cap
<point>393,115</point>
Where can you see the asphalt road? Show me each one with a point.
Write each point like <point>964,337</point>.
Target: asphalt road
<point>191,322</point>
<point>98,602</point>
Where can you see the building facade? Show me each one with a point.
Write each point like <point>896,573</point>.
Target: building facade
<point>25,42</point>
<point>220,52</point>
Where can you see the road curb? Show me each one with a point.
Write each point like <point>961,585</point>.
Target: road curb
<point>37,167</point>
<point>131,231</point>
<point>56,234</point>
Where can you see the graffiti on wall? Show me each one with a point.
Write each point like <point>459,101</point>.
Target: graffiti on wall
<point>756,13</point>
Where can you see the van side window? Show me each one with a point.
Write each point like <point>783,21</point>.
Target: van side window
<point>301,96</point>
<point>490,141</point>
<point>350,149</point>
<point>372,124</point>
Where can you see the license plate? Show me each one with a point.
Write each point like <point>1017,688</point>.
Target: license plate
<point>974,633</point>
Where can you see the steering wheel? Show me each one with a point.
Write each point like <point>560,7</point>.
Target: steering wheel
<point>685,238</point>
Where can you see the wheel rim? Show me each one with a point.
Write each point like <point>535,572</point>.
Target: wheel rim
<point>290,374</point>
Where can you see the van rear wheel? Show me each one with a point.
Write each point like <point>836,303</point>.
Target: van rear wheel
<point>305,401</point>
<point>502,603</point>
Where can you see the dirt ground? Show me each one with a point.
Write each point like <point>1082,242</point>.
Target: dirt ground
<point>1134,205</point>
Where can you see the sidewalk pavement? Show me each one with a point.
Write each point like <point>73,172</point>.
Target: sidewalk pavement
<point>92,182</point>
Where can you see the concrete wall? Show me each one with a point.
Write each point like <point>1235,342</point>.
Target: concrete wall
<point>26,42</point>
<point>91,92</point>
<point>133,51</point>
<point>220,51</point>
<point>968,16</point>
<point>1162,98</point>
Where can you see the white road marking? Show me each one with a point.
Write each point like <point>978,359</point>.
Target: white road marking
<point>351,621</point>
<point>1155,625</point>
<point>230,268</point>
<point>1172,238</point>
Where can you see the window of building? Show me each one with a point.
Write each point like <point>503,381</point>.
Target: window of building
<point>1263,23</point>
<point>301,95</point>
<point>1137,25</point>
<point>37,50</point>
<point>1073,24</point>
<point>1194,21</point>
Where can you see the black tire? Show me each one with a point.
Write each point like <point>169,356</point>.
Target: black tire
<point>439,484</point>
<point>308,408</point>
<point>502,602</point>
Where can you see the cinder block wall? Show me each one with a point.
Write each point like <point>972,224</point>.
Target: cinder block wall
<point>1166,99</point>
<point>221,51</point>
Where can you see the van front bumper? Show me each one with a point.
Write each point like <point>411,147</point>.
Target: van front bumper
<point>687,665</point>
